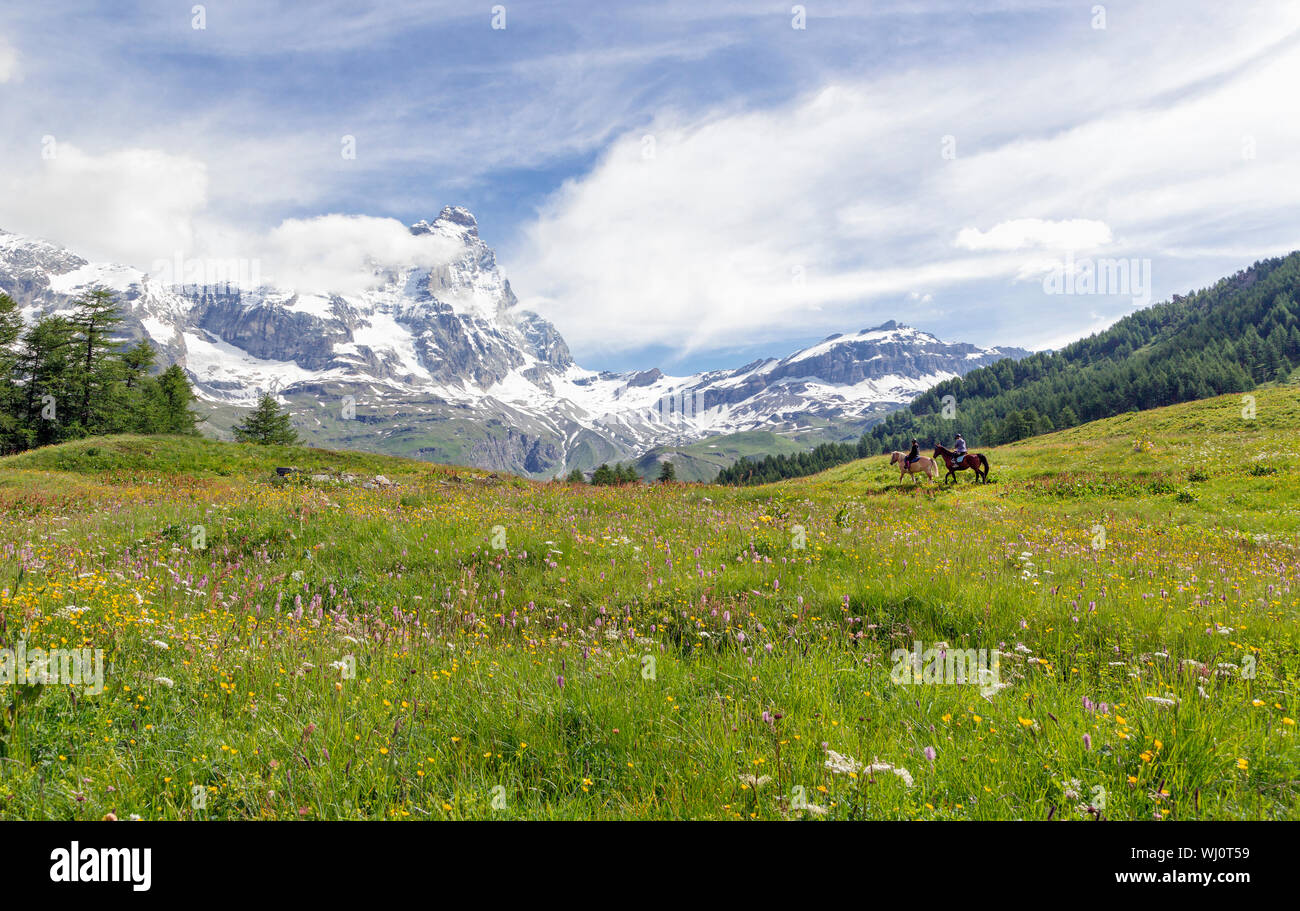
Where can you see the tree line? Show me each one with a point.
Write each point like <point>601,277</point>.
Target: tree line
<point>620,473</point>
<point>65,377</point>
<point>771,468</point>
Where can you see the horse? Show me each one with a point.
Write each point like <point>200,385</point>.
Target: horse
<point>921,464</point>
<point>972,461</point>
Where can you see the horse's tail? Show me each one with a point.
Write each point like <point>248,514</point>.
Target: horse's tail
<point>985,463</point>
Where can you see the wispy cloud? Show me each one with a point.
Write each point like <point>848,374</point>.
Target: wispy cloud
<point>9,71</point>
<point>1030,233</point>
<point>121,206</point>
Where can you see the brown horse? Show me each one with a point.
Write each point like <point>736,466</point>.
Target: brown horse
<point>922,464</point>
<point>972,461</point>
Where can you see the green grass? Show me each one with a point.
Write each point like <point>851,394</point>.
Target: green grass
<point>661,652</point>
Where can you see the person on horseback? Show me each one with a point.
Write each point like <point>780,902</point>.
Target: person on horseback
<point>913,454</point>
<point>959,450</point>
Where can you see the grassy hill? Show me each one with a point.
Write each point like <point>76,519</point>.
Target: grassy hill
<point>1201,457</point>
<point>469,646</point>
<point>201,456</point>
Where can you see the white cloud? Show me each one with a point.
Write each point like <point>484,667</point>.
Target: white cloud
<point>126,206</point>
<point>9,70</point>
<point>144,207</point>
<point>1026,233</point>
<point>337,253</point>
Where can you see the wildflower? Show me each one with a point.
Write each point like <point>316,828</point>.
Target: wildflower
<point>878,766</point>
<point>840,764</point>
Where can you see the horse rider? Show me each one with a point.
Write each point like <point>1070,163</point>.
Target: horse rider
<point>913,454</point>
<point>959,449</point>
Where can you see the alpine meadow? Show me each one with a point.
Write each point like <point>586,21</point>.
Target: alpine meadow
<point>457,644</point>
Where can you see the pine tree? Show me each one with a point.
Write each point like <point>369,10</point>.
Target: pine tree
<point>44,367</point>
<point>667,473</point>
<point>94,319</point>
<point>575,477</point>
<point>11,426</point>
<point>128,402</point>
<point>11,327</point>
<point>602,475</point>
<point>175,395</point>
<point>267,425</point>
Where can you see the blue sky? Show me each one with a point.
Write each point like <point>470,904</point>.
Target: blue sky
<point>685,184</point>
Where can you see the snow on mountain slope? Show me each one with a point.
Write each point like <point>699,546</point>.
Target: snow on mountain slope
<point>439,361</point>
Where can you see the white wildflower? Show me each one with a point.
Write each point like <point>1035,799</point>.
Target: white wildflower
<point>878,766</point>
<point>840,764</point>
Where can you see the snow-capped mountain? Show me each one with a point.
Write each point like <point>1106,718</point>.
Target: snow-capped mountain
<point>440,362</point>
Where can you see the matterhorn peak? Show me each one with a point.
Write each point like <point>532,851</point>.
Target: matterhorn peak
<point>458,215</point>
<point>451,220</point>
